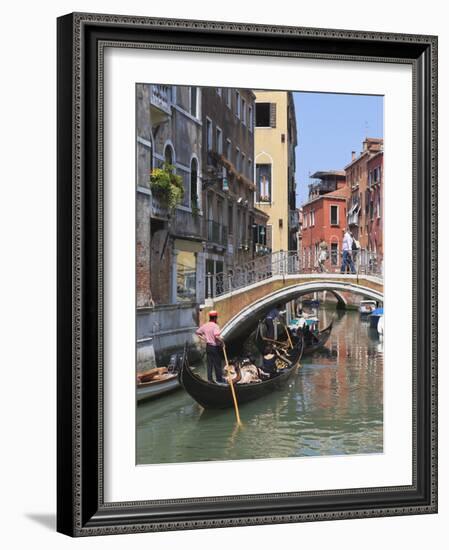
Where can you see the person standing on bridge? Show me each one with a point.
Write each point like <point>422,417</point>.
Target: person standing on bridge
<point>210,334</point>
<point>322,255</point>
<point>347,252</point>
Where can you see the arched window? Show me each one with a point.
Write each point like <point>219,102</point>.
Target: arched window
<point>169,155</point>
<point>194,202</point>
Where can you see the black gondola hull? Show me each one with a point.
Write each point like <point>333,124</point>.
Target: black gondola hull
<point>219,396</point>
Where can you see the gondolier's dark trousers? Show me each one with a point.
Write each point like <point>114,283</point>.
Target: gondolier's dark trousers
<point>213,354</point>
<point>269,323</point>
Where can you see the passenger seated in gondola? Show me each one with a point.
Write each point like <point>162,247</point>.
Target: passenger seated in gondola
<point>243,372</point>
<point>269,368</point>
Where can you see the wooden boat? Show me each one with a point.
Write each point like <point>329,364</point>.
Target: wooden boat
<point>380,326</point>
<point>375,316</point>
<point>311,303</point>
<point>160,380</point>
<point>219,396</point>
<point>367,306</point>
<point>313,339</point>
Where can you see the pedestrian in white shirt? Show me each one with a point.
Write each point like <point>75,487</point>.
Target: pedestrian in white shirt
<point>347,252</point>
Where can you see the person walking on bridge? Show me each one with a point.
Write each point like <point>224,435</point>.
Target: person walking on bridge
<point>347,253</point>
<point>210,334</point>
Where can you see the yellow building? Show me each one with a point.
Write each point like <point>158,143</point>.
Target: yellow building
<point>274,144</point>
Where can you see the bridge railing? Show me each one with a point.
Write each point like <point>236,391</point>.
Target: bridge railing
<point>285,263</point>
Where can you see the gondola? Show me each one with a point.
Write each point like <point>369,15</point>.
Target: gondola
<point>219,396</point>
<point>312,342</point>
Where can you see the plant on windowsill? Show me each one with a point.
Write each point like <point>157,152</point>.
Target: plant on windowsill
<point>167,186</point>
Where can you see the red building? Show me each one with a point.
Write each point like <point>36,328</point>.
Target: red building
<point>364,177</point>
<point>324,219</point>
<point>374,220</point>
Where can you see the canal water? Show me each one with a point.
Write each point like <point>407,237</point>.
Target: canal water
<point>332,406</point>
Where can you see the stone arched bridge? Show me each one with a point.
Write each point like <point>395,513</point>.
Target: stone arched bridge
<point>241,309</point>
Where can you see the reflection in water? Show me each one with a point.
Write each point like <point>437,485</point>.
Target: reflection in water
<point>334,405</point>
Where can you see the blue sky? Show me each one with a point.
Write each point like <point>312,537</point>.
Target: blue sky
<point>330,126</point>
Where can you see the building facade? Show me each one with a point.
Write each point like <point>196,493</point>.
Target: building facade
<point>169,242</point>
<point>375,208</point>
<point>275,143</point>
<point>324,220</point>
<point>205,137</point>
<point>357,181</point>
<point>232,223</point>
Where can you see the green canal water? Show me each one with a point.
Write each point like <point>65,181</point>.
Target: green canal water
<point>332,406</point>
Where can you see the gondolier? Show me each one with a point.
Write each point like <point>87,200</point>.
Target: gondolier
<point>270,318</point>
<point>210,334</point>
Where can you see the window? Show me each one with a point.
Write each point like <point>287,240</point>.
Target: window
<point>304,224</point>
<point>263,182</point>
<point>312,214</point>
<point>237,104</point>
<point>334,215</point>
<point>334,253</point>
<point>262,114</point>
<point>378,206</point>
<point>243,164</point>
<point>250,119</point>
<point>219,91</point>
<point>209,134</point>
<point>194,184</point>
<point>169,155</point>
<point>228,149</point>
<point>243,111</point>
<point>237,159</point>
<point>219,140</point>
<point>194,101</point>
<point>250,169</point>
<point>228,97</point>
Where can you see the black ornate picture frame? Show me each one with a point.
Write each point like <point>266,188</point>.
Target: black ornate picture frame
<point>81,509</point>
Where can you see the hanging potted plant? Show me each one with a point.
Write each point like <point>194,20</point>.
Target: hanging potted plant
<point>167,186</point>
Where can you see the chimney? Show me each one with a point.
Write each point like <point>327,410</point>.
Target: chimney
<point>353,155</point>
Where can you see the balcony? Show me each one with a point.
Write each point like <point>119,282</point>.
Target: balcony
<point>160,100</point>
<point>158,210</point>
<point>217,233</point>
<point>187,224</point>
<point>320,187</point>
<point>353,214</point>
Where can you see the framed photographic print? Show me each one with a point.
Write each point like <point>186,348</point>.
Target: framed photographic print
<point>246,274</point>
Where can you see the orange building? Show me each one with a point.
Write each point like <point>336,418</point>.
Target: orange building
<point>324,219</point>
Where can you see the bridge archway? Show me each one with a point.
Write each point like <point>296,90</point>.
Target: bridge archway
<point>246,320</point>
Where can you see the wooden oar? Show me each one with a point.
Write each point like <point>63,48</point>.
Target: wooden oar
<point>231,385</point>
<point>288,334</point>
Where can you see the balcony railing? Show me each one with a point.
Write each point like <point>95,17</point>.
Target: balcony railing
<point>187,224</point>
<point>158,210</point>
<point>161,97</point>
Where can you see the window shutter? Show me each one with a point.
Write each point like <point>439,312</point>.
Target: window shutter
<point>273,115</point>
<point>269,237</point>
